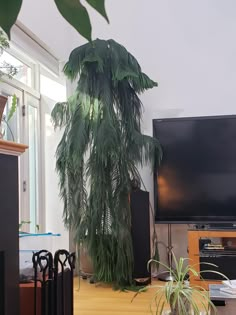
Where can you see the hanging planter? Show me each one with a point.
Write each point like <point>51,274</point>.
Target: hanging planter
<point>3,101</point>
<point>101,148</point>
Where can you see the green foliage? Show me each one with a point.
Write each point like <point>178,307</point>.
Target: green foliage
<point>72,10</point>
<point>4,44</point>
<point>13,108</point>
<point>101,147</point>
<point>9,71</point>
<point>181,297</point>
<point>5,68</point>
<point>99,6</point>
<point>22,223</point>
<point>9,10</point>
<point>76,14</point>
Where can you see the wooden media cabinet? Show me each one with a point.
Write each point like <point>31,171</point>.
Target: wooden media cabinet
<point>212,246</point>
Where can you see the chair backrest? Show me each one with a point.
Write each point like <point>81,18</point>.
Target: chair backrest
<point>55,277</point>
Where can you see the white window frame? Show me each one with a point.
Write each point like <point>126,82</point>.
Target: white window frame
<point>41,61</point>
<point>40,205</point>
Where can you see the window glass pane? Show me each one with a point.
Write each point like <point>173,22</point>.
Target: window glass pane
<point>9,124</point>
<point>52,89</point>
<point>24,72</point>
<point>33,166</point>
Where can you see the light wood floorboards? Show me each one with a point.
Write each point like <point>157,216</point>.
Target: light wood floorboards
<point>97,299</point>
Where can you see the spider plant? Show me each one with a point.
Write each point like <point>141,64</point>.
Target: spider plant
<point>99,152</point>
<point>182,298</point>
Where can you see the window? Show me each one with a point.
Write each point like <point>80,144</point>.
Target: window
<point>52,88</point>
<point>33,132</point>
<point>10,124</point>
<point>23,71</point>
<point>26,88</point>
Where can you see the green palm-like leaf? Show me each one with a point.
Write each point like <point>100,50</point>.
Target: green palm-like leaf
<point>99,6</point>
<point>76,14</point>
<point>9,10</point>
<point>72,10</point>
<point>102,146</point>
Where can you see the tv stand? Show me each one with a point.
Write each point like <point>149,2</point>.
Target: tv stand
<point>214,246</point>
<point>215,226</point>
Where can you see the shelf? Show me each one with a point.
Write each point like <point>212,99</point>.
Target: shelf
<point>224,258</point>
<point>12,148</point>
<point>221,252</point>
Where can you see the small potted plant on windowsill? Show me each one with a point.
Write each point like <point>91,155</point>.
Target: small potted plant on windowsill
<point>5,119</point>
<point>23,223</point>
<point>182,298</point>
<point>3,101</point>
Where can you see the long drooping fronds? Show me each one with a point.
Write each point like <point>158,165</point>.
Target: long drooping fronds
<point>100,150</point>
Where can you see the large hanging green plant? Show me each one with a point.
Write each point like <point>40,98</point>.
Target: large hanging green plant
<point>99,152</point>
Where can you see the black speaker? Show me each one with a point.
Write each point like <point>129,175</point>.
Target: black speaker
<point>140,220</point>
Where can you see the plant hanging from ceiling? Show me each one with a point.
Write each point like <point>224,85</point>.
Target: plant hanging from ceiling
<point>99,152</point>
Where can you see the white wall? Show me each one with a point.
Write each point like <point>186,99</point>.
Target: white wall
<point>188,46</point>
<point>43,19</point>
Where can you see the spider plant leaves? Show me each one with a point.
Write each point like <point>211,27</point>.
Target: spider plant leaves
<point>178,294</point>
<point>9,10</point>
<point>77,15</point>
<point>151,261</point>
<point>215,272</point>
<point>99,6</point>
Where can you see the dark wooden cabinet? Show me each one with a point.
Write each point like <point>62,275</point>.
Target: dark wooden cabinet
<point>9,222</point>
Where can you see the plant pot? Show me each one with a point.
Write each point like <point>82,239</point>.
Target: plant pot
<point>175,308</point>
<point>86,265</point>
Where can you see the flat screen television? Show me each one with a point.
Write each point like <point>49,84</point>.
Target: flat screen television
<point>196,181</point>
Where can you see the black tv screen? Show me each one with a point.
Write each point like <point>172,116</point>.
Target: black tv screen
<point>196,181</point>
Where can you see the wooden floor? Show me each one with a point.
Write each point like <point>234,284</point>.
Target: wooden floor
<point>91,299</point>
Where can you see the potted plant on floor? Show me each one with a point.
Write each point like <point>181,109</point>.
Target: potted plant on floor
<point>100,151</point>
<point>182,298</point>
